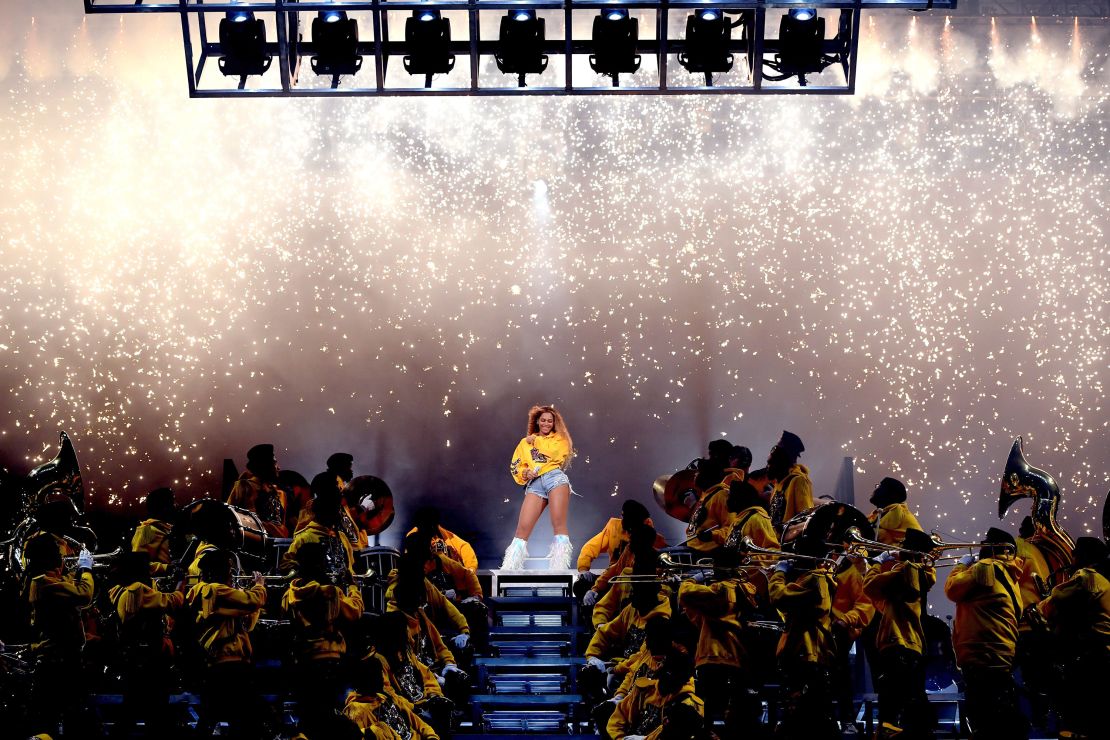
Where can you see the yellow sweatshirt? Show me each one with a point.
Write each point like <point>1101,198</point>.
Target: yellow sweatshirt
<point>796,492</point>
<point>56,603</point>
<point>356,535</point>
<point>641,712</point>
<point>616,598</point>
<point>711,510</point>
<point>610,541</point>
<point>458,549</point>
<point>896,590</point>
<point>987,611</point>
<point>715,610</point>
<point>413,681</point>
<point>152,536</point>
<point>193,571</point>
<point>851,605</point>
<point>641,665</point>
<point>891,523</point>
<point>457,576</point>
<point>806,606</point>
<point>135,600</point>
<point>316,611</point>
<point>622,637</point>
<point>544,455</point>
<point>441,611</point>
<point>316,532</point>
<point>755,522</point>
<point>382,717</point>
<point>225,616</point>
<point>1079,609</point>
<point>1033,563</point>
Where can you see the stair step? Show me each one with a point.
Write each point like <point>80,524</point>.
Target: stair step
<point>530,619</point>
<point>525,700</point>
<point>530,649</point>
<point>529,603</point>
<point>531,633</point>
<point>526,683</point>
<point>534,591</point>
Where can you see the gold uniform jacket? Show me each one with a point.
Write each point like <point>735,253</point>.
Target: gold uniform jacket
<point>152,536</point>
<point>413,681</point>
<point>56,601</point>
<point>436,606</point>
<point>610,541</point>
<point>138,601</point>
<point>891,523</point>
<point>896,591</point>
<point>987,611</point>
<point>641,711</point>
<point>225,616</point>
<point>458,549</point>
<point>316,532</point>
<point>793,494</point>
<point>851,605</point>
<point>386,717</point>
<point>806,606</point>
<point>715,610</point>
<point>1033,563</point>
<point>546,454</point>
<point>623,636</point>
<point>1079,608</point>
<point>316,611</point>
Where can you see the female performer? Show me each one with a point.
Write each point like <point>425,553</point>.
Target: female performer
<point>538,464</point>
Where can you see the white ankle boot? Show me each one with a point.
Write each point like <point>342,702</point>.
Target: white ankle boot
<point>515,554</point>
<point>558,558</point>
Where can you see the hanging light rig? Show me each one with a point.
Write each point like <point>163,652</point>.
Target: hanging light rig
<point>715,36</point>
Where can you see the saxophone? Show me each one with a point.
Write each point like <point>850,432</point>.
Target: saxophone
<point>1022,480</point>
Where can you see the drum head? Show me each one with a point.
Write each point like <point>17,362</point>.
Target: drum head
<point>808,532</point>
<point>371,503</point>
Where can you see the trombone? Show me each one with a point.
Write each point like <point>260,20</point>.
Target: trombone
<point>936,555</point>
<point>749,547</point>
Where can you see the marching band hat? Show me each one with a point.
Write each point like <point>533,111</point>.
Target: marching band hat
<point>792,443</point>
<point>918,540</point>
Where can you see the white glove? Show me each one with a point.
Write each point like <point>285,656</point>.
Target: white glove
<point>699,576</point>
<point>690,500</point>
<point>783,566</point>
<point>460,641</point>
<point>587,576</point>
<point>450,594</point>
<point>967,560</point>
<point>84,560</point>
<point>633,737</point>
<point>596,663</point>
<point>590,598</point>
<point>451,668</point>
<point>469,600</point>
<point>440,680</point>
<point>885,556</point>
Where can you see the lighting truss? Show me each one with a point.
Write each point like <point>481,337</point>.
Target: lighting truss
<point>754,43</point>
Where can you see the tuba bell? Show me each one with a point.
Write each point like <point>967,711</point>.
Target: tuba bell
<point>1022,480</point>
<point>58,478</point>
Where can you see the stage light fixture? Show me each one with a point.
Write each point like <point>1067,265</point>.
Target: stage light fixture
<point>428,43</point>
<point>243,45</point>
<point>335,38</point>
<point>520,45</point>
<point>801,44</point>
<point>614,37</point>
<point>708,34</point>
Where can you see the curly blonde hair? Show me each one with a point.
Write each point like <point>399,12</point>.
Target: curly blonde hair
<point>560,427</point>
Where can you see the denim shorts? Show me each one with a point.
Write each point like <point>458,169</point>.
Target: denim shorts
<point>546,483</point>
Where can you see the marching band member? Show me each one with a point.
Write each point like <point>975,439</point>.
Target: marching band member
<point>898,585</point>
<point>56,600</point>
<point>985,592</point>
<point>444,541</point>
<point>152,536</point>
<point>623,636</point>
<point>318,610</point>
<point>739,460</point>
<point>1034,647</point>
<point>225,615</point>
<point>852,611</point>
<point>382,715</point>
<point>803,595</point>
<point>639,716</point>
<point>405,678</point>
<point>339,473</point>
<point>1079,610</point>
<point>793,492</point>
<point>323,529</point>
<point>891,517</point>
<point>458,584</point>
<point>749,519</point>
<point>726,678</point>
<point>645,663</point>
<point>257,490</point>
<point>145,650</point>
<point>615,597</point>
<point>612,540</point>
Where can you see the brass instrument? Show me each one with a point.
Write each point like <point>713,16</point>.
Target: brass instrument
<point>240,580</point>
<point>935,555</point>
<point>749,547</point>
<point>1022,480</point>
<point>853,535</point>
<point>99,561</point>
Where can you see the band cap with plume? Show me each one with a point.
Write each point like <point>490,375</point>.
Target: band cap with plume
<point>996,536</point>
<point>340,460</point>
<point>890,491</point>
<point>792,443</point>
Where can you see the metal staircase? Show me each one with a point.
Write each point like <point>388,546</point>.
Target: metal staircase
<point>527,685</point>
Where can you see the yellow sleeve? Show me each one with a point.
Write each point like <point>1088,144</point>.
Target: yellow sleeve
<point>78,592</point>
<point>522,460</point>
<point>420,728</point>
<point>621,717</point>
<point>961,582</point>
<point>702,600</point>
<point>437,602</point>
<point>1064,597</point>
<point>350,604</point>
<point>289,559</point>
<point>799,497</point>
<point>239,602</point>
<point>607,607</point>
<point>593,548</point>
<point>606,637</point>
<point>794,595</point>
<point>466,552</point>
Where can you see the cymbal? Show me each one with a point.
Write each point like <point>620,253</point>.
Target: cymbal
<point>670,493</point>
<point>371,502</point>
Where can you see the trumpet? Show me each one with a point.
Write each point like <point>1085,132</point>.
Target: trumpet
<point>749,547</point>
<point>99,561</point>
<point>246,579</point>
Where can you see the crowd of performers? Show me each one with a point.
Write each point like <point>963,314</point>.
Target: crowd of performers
<point>676,651</point>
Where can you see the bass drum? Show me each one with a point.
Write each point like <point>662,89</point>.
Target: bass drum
<point>809,532</point>
<point>224,525</point>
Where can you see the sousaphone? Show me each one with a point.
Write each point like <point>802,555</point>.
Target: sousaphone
<point>1022,480</point>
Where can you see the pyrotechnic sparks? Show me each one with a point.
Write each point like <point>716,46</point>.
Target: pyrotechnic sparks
<point>912,277</point>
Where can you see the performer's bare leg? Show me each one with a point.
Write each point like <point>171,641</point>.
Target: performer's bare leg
<point>530,511</point>
<point>559,498</point>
